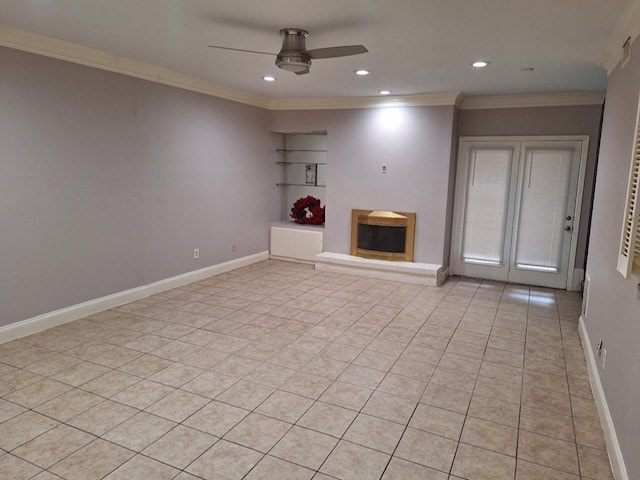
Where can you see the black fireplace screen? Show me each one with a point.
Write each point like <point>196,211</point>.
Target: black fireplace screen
<point>382,238</point>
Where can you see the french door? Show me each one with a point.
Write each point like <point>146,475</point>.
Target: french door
<point>517,208</point>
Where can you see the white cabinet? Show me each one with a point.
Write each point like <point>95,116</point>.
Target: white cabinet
<point>283,242</point>
<point>307,245</point>
<point>297,243</point>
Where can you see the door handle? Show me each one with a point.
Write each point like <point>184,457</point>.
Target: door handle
<point>567,228</point>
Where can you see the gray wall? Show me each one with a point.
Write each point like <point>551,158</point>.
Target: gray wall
<point>578,120</point>
<point>414,143</point>
<point>109,182</point>
<point>613,310</point>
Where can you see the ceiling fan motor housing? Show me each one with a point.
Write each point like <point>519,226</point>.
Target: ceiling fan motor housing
<point>292,56</point>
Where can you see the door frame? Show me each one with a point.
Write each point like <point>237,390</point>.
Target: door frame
<point>460,190</point>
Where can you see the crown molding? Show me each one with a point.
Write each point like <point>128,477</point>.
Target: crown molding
<point>418,100</point>
<point>561,99</point>
<point>71,52</point>
<point>627,27</point>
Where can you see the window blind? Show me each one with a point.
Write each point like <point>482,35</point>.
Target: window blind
<point>543,205</point>
<point>486,206</point>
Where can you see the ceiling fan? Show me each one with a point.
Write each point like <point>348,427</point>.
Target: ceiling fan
<point>294,57</point>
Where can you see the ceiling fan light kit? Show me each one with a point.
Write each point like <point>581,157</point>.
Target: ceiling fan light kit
<point>293,56</point>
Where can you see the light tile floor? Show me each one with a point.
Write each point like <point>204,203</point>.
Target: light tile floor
<point>276,371</point>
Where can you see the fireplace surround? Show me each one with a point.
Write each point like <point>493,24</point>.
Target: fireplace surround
<point>383,235</point>
<point>381,259</point>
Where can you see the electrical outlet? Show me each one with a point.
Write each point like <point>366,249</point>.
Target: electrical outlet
<point>604,358</point>
<point>234,247</point>
<point>599,347</point>
<point>196,253</point>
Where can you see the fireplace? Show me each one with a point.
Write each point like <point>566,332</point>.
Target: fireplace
<point>383,235</point>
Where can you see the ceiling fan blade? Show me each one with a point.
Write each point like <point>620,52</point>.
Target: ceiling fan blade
<point>242,50</point>
<point>303,72</point>
<point>332,52</point>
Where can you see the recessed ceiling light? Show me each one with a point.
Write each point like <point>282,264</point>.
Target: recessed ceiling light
<point>384,92</point>
<point>480,64</point>
<point>362,73</point>
<point>269,78</point>
<point>526,69</point>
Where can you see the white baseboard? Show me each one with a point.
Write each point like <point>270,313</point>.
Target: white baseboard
<point>615,453</point>
<point>289,259</point>
<point>443,273</point>
<point>81,310</point>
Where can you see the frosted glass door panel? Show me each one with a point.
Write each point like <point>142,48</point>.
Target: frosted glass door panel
<point>485,215</point>
<point>543,206</point>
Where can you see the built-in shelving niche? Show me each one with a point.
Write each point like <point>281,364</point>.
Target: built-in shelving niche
<point>303,163</point>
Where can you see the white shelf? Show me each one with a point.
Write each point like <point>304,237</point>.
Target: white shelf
<point>296,226</point>
<point>296,152</point>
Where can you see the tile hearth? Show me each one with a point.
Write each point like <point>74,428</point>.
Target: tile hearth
<point>278,371</point>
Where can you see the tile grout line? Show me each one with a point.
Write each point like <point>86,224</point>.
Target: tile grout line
<point>368,398</point>
<point>466,414</point>
<point>406,427</point>
<point>524,359</point>
<point>573,419</point>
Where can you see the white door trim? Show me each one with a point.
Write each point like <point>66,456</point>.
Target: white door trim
<point>459,197</point>
<point>577,210</point>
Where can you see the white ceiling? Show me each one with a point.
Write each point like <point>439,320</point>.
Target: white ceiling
<point>415,46</point>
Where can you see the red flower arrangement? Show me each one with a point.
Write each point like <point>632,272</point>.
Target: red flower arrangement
<point>307,210</point>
